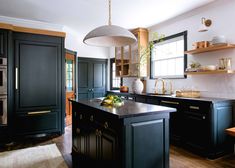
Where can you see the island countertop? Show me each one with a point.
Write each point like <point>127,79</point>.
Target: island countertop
<point>129,109</point>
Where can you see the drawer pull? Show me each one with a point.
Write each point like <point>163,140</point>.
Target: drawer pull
<point>75,149</point>
<point>78,131</point>
<point>194,107</point>
<point>169,102</point>
<point>38,112</point>
<point>106,125</point>
<point>92,118</point>
<point>80,116</point>
<point>97,132</point>
<point>100,133</point>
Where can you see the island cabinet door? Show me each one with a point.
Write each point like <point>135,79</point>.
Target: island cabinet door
<point>108,148</point>
<point>147,143</point>
<point>78,132</point>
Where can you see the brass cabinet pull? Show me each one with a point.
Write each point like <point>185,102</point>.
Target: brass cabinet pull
<point>97,132</point>
<point>16,78</point>
<point>78,131</point>
<point>106,125</point>
<point>100,133</point>
<point>170,102</point>
<point>75,149</point>
<point>92,118</point>
<point>38,112</point>
<point>194,107</point>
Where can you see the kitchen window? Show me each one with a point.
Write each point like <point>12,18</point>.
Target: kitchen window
<point>167,57</point>
<point>115,82</point>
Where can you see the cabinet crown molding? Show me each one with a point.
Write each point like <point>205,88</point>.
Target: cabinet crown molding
<point>31,30</point>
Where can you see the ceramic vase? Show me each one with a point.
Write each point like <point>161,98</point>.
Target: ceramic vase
<point>137,86</point>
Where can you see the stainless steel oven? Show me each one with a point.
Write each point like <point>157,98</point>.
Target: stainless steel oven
<point>3,109</point>
<point>3,76</point>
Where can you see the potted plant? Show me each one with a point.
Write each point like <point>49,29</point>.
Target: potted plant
<point>137,85</point>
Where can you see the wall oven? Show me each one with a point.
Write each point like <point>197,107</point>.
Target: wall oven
<point>3,91</point>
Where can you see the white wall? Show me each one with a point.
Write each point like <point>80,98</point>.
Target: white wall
<point>73,40</point>
<point>222,13</point>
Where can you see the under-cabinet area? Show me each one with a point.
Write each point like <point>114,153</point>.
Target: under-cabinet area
<point>198,125</point>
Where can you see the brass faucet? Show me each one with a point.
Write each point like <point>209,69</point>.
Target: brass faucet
<point>163,86</point>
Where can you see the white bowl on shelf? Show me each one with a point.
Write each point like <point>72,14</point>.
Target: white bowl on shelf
<point>209,67</point>
<point>218,40</point>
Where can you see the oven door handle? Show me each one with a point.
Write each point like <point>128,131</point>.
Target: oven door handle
<point>16,78</point>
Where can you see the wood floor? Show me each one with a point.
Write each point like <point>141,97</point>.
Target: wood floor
<point>179,158</point>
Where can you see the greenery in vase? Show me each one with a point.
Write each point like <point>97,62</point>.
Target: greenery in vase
<point>146,50</point>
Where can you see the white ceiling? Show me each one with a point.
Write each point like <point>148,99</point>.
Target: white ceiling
<point>84,15</point>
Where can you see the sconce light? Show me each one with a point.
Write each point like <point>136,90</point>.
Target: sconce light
<point>205,23</point>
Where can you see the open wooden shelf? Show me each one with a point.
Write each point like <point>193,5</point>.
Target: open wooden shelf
<point>211,72</point>
<point>210,48</point>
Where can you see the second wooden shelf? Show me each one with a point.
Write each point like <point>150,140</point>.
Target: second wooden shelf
<point>211,72</point>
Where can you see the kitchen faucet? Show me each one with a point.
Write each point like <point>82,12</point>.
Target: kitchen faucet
<point>163,90</point>
<point>164,85</point>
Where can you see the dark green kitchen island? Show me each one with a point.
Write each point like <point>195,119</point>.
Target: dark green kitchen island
<point>135,135</point>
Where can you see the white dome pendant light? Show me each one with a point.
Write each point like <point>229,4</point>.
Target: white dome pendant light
<point>109,35</point>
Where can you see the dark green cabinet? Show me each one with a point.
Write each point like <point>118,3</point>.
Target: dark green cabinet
<point>198,125</point>
<point>39,83</point>
<point>94,139</point>
<point>148,140</point>
<point>104,140</point>
<point>176,119</point>
<point>91,78</point>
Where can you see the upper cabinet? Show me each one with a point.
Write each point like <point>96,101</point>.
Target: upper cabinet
<point>128,58</point>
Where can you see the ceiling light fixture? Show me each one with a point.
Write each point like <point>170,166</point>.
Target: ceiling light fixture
<point>109,35</point>
<point>205,23</point>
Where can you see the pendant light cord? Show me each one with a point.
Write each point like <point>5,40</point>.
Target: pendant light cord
<point>110,12</point>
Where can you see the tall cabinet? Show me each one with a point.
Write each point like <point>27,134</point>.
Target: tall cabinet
<point>39,73</point>
<point>128,58</point>
<point>32,86</point>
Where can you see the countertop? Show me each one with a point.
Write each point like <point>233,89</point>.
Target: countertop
<point>129,109</point>
<point>208,99</point>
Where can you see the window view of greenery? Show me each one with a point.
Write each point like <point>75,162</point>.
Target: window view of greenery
<point>167,58</point>
<point>69,75</point>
